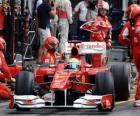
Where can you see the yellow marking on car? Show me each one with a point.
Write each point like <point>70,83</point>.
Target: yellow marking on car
<point>121,102</point>
<point>60,76</point>
<point>83,79</point>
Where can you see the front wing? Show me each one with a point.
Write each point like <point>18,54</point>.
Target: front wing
<point>87,101</point>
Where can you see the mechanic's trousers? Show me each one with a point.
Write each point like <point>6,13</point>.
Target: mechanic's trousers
<point>136,57</point>
<point>5,92</point>
<point>63,33</point>
<point>137,96</point>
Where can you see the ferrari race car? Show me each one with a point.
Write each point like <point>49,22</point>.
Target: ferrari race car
<point>74,83</point>
<point>83,80</point>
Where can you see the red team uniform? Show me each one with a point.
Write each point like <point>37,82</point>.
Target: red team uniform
<point>130,35</point>
<point>5,92</point>
<point>50,56</point>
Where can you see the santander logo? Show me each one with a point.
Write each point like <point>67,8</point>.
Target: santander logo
<point>93,46</point>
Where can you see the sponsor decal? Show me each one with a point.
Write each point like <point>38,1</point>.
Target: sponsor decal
<point>28,102</point>
<point>60,76</point>
<point>49,97</point>
<point>83,79</point>
<point>90,103</point>
<point>87,47</point>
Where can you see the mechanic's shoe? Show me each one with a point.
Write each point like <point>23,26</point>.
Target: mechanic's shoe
<point>137,103</point>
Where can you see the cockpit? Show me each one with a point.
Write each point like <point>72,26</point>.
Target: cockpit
<point>73,64</point>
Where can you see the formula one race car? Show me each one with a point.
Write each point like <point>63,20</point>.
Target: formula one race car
<point>83,81</point>
<point>74,83</point>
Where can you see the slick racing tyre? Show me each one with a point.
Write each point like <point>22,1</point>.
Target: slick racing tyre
<point>24,86</point>
<point>104,85</point>
<point>121,76</point>
<point>24,83</point>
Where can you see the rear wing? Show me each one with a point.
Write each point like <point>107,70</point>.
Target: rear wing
<point>86,47</point>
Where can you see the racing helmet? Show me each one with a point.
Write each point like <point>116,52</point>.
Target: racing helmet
<point>2,43</point>
<point>131,8</point>
<point>103,5</point>
<point>74,63</point>
<point>51,43</point>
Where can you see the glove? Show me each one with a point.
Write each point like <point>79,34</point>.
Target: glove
<point>13,80</point>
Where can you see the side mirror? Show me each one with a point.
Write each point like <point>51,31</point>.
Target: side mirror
<point>18,59</point>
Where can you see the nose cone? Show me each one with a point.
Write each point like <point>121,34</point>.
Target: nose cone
<point>60,81</point>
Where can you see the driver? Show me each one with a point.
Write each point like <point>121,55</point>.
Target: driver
<point>74,63</point>
<point>51,55</point>
<point>130,36</point>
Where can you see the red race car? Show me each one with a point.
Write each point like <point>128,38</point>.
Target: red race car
<point>83,80</point>
<point>74,83</point>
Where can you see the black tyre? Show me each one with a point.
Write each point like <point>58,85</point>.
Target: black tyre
<point>104,85</point>
<point>24,83</point>
<point>121,76</point>
<point>24,86</point>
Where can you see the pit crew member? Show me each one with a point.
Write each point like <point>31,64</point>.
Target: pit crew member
<point>100,27</point>
<point>5,75</point>
<point>105,34</point>
<point>51,55</point>
<point>64,12</point>
<point>130,35</point>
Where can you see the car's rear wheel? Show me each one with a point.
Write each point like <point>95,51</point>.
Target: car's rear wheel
<point>105,85</point>
<point>121,76</point>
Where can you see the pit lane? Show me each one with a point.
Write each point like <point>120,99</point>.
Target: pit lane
<point>122,108</point>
